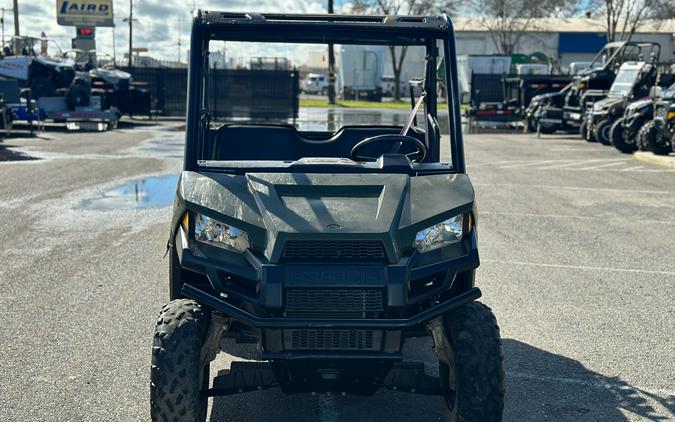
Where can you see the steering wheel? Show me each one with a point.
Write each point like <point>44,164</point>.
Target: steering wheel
<point>415,156</point>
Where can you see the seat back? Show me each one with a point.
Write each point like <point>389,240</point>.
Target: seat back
<point>285,143</point>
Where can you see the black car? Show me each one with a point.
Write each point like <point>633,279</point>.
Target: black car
<point>327,249</point>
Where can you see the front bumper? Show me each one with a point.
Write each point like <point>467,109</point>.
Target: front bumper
<point>573,116</point>
<point>257,294</point>
<point>251,320</point>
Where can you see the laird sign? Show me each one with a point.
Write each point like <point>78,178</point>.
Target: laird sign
<point>84,12</point>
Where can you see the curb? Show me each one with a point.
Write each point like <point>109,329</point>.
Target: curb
<point>657,160</point>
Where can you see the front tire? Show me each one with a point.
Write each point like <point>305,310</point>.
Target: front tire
<point>617,137</point>
<point>646,137</point>
<point>178,378</point>
<point>479,365</point>
<point>601,131</point>
<point>546,128</point>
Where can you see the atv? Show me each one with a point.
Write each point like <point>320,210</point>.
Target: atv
<point>633,81</point>
<point>114,86</point>
<point>326,249</point>
<point>658,135</point>
<point>590,86</point>
<point>44,75</point>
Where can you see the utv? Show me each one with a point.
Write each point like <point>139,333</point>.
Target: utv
<point>591,85</point>
<point>328,250</point>
<point>44,75</point>
<point>658,135</point>
<point>115,87</point>
<point>623,132</point>
<point>634,81</point>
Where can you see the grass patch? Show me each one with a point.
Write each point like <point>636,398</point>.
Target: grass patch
<point>353,104</point>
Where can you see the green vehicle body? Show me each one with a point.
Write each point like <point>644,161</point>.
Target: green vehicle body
<point>334,274</point>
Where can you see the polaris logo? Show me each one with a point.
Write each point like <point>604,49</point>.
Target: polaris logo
<point>83,7</point>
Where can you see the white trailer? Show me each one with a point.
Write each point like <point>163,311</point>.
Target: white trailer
<point>360,70</point>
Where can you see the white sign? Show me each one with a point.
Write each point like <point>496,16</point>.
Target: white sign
<point>84,12</point>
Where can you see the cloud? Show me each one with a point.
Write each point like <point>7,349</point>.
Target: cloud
<point>157,27</point>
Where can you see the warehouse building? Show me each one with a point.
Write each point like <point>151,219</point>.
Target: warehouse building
<point>564,40</point>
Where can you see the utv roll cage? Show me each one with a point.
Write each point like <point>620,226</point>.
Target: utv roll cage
<point>322,29</point>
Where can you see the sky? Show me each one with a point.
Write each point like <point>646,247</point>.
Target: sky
<point>157,27</point>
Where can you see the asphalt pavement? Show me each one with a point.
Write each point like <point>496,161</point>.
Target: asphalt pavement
<point>577,243</point>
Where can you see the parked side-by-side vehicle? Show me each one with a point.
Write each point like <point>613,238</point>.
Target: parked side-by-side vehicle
<point>327,249</point>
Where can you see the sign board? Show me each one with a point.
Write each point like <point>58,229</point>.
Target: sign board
<point>84,12</point>
<point>85,32</point>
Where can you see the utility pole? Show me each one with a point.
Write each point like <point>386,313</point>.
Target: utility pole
<point>131,32</point>
<point>16,18</point>
<point>130,20</point>
<point>2,20</point>
<point>114,49</point>
<point>331,64</point>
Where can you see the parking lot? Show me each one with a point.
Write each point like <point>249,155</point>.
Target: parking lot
<point>577,248</point>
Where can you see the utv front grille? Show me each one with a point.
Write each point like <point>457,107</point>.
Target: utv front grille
<point>333,250</point>
<point>342,340</point>
<point>333,303</point>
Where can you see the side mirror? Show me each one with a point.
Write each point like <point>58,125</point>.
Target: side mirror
<point>655,91</point>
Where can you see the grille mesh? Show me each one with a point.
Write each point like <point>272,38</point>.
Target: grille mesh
<point>333,303</point>
<point>367,340</point>
<point>333,250</point>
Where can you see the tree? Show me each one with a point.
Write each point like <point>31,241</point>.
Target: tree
<point>402,7</point>
<point>508,20</point>
<point>624,17</point>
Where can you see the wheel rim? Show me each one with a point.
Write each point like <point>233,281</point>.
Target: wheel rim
<point>604,133</point>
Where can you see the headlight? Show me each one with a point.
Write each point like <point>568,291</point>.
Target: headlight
<point>441,234</point>
<point>209,230</point>
<point>582,85</point>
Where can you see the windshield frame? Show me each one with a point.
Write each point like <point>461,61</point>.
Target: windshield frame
<point>618,88</point>
<point>310,29</point>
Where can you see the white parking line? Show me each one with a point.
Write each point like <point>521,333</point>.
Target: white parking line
<point>602,166</point>
<point>534,163</point>
<point>577,162</point>
<point>633,168</point>
<point>567,216</point>
<point>579,267</point>
<point>576,188</point>
<point>593,384</point>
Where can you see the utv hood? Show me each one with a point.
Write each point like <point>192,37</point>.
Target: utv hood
<point>607,103</point>
<point>640,104</point>
<point>277,207</point>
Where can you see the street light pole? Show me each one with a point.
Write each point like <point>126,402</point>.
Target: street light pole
<point>331,64</point>
<point>131,32</point>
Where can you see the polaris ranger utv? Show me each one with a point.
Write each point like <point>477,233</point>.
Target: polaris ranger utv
<point>634,81</point>
<point>327,249</point>
<point>554,112</point>
<point>658,135</point>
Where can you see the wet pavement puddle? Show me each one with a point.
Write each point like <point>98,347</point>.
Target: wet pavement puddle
<point>146,192</point>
